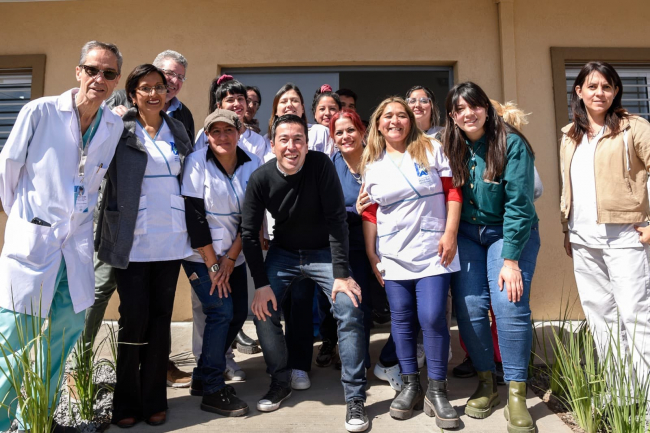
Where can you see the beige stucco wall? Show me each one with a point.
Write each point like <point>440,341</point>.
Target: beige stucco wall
<point>463,33</point>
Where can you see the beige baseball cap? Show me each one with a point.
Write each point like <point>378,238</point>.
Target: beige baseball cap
<point>220,115</point>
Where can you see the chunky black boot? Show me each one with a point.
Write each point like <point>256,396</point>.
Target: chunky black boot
<point>409,399</point>
<point>436,404</point>
<point>245,344</point>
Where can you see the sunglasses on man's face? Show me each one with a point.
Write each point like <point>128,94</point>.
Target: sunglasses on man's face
<point>92,71</point>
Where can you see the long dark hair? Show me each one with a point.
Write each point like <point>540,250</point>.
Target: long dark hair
<point>435,112</point>
<point>284,89</point>
<point>496,135</point>
<point>615,113</point>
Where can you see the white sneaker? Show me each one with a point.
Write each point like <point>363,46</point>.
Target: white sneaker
<point>421,356</point>
<point>300,380</point>
<point>389,374</point>
<point>233,372</point>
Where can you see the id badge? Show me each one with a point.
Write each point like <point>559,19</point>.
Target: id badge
<point>80,198</point>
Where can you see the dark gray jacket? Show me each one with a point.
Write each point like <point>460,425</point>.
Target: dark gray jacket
<point>118,209</point>
<point>183,114</point>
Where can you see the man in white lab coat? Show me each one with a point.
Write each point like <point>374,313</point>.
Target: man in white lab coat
<point>50,171</point>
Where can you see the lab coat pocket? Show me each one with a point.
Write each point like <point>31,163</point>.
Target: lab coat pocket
<point>388,243</point>
<point>141,221</point>
<point>83,240</point>
<point>217,238</point>
<point>26,242</point>
<point>431,231</point>
<point>98,174</point>
<point>178,214</point>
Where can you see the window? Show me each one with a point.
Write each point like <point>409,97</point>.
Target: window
<point>636,88</point>
<point>15,92</point>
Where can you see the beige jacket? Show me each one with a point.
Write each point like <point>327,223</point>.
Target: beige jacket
<point>621,173</point>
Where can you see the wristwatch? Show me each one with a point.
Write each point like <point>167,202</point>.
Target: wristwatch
<point>214,268</point>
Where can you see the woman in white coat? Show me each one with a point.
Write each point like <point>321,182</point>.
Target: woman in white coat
<point>50,171</point>
<point>141,232</point>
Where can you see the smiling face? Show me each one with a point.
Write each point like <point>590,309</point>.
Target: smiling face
<point>347,137</point>
<point>325,109</point>
<point>152,101</point>
<point>470,119</point>
<point>394,123</point>
<point>235,103</point>
<point>174,85</point>
<point>422,111</point>
<point>597,94</point>
<point>289,103</point>
<point>289,146</point>
<point>97,88</point>
<point>223,138</point>
<point>252,104</point>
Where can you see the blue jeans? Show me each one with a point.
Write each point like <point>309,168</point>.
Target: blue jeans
<point>224,317</point>
<point>420,303</point>
<point>285,267</point>
<point>479,250</point>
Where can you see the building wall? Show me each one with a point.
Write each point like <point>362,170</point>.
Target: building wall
<point>463,33</point>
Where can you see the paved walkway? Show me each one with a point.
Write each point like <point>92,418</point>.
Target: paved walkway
<point>322,408</point>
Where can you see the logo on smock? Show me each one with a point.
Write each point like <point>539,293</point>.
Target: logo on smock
<point>423,175</point>
<point>174,149</point>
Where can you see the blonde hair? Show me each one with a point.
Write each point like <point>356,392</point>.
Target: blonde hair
<point>417,144</point>
<point>512,115</point>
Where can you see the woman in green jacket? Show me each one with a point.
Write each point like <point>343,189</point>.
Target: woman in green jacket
<point>498,242</point>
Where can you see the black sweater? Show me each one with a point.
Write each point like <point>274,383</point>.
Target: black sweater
<point>308,208</point>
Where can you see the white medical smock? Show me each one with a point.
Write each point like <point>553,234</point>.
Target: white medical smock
<point>39,168</point>
<point>223,197</point>
<point>249,140</point>
<point>412,212</point>
<point>160,229</point>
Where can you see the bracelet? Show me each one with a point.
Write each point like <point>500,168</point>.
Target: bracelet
<point>229,258</point>
<point>514,269</point>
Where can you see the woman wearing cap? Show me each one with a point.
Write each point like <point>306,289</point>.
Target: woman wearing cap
<point>141,232</point>
<point>214,184</point>
<point>229,94</point>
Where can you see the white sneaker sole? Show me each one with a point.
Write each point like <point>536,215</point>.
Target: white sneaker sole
<point>271,407</point>
<point>300,386</point>
<point>178,385</point>
<point>357,427</point>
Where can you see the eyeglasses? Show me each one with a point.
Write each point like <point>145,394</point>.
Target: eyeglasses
<point>160,89</point>
<point>413,101</point>
<point>92,71</point>
<point>173,74</point>
<point>251,102</point>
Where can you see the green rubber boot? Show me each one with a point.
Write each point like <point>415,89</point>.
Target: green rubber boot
<point>485,397</point>
<point>516,412</point>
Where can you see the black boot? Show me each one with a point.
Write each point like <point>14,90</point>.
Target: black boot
<point>224,402</point>
<point>246,345</point>
<point>436,404</point>
<point>409,399</point>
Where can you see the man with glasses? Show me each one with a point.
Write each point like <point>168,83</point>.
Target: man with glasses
<point>174,66</point>
<point>253,101</point>
<point>50,171</point>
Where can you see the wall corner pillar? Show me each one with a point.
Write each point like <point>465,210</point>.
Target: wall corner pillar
<point>507,48</point>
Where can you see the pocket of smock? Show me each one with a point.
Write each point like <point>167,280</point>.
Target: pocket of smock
<point>431,231</point>
<point>387,242</point>
<point>98,174</point>
<point>217,238</point>
<point>26,242</point>
<point>141,221</point>
<point>178,214</point>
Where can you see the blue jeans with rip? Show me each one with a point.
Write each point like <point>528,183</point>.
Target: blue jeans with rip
<point>224,318</point>
<point>477,284</point>
<point>285,267</point>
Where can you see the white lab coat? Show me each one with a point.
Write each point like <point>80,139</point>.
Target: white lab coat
<point>412,213</point>
<point>38,168</point>
<point>223,198</point>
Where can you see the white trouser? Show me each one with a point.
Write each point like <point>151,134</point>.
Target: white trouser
<point>614,288</point>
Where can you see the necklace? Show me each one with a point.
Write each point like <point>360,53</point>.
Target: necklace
<point>355,176</point>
